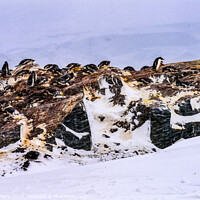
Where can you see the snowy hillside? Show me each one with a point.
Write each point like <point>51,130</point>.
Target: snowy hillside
<point>98,132</point>
<point>173,173</point>
<point>130,32</point>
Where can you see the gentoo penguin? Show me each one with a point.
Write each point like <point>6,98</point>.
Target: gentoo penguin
<point>5,69</point>
<point>157,63</point>
<point>169,69</point>
<point>104,64</point>
<point>84,70</point>
<point>73,66</point>
<point>144,67</point>
<point>53,68</point>
<point>32,79</point>
<point>129,68</point>
<point>26,62</point>
<point>90,68</point>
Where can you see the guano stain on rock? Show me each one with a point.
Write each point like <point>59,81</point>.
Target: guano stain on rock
<point>126,100</point>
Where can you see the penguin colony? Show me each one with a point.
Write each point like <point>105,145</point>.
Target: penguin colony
<point>27,67</point>
<point>158,62</point>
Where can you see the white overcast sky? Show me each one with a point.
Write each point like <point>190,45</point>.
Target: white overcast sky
<point>31,25</point>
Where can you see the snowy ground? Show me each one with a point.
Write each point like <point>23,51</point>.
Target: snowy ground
<point>173,173</point>
<point>131,32</point>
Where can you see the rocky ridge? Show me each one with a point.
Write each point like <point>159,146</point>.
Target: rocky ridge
<point>104,110</point>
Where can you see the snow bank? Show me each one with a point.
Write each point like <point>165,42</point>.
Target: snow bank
<point>173,173</point>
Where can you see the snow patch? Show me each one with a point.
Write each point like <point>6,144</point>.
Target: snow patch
<point>195,103</point>
<point>79,135</point>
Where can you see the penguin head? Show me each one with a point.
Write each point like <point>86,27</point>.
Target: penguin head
<point>51,67</point>
<point>6,63</point>
<point>73,66</point>
<point>129,68</point>
<point>104,64</point>
<point>91,66</point>
<point>160,58</point>
<point>48,66</point>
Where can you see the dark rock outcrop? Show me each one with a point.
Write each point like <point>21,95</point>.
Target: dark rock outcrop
<point>185,108</point>
<point>10,136</point>
<point>163,135</point>
<point>107,107</point>
<point>76,121</point>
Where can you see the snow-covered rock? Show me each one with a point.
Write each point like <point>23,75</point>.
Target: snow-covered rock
<point>110,112</point>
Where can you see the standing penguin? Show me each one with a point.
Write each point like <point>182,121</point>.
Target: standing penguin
<point>157,63</point>
<point>32,79</point>
<point>5,69</point>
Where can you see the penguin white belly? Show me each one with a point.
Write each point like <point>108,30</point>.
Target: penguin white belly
<point>158,64</point>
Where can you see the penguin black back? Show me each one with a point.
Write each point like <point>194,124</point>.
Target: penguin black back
<point>91,66</point>
<point>51,67</point>
<point>104,63</point>
<point>129,68</point>
<point>73,66</point>
<point>27,61</point>
<point>5,69</point>
<point>169,69</point>
<point>144,67</point>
